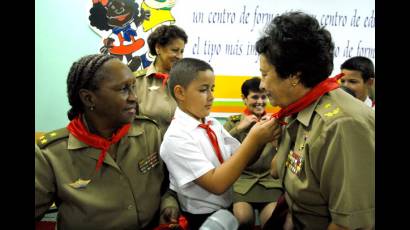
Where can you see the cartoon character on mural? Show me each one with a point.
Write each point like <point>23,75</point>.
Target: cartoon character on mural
<point>117,22</point>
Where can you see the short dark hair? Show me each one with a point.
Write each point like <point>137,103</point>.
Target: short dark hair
<point>184,71</point>
<point>165,34</point>
<point>84,75</point>
<point>295,42</point>
<point>251,85</point>
<point>362,64</point>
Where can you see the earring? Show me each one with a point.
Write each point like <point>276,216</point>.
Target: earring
<point>91,108</point>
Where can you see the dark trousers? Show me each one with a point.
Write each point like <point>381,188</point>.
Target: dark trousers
<point>279,214</point>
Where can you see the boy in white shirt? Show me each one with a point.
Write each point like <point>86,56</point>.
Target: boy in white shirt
<point>198,151</point>
<point>359,77</point>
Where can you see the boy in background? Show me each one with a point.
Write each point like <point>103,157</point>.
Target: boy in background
<point>359,77</point>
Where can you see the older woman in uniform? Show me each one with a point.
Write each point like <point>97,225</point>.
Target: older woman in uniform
<point>103,170</point>
<point>167,43</point>
<point>326,152</point>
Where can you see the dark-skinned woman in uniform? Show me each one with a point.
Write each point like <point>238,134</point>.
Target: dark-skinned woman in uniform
<point>103,170</point>
<point>326,151</point>
<point>166,43</point>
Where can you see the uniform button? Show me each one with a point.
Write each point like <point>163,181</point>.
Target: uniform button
<point>130,207</point>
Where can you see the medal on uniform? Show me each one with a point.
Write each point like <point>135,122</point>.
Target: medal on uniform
<point>295,162</point>
<point>148,163</point>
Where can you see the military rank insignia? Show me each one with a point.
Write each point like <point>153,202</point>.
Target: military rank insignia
<point>235,118</point>
<point>295,162</point>
<point>148,163</point>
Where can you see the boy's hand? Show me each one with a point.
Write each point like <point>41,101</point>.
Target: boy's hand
<point>266,117</point>
<point>265,131</point>
<point>247,121</point>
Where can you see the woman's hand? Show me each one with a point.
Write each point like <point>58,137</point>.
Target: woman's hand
<point>169,216</point>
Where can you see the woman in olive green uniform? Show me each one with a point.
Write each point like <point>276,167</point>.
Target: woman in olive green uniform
<point>255,188</point>
<point>103,170</point>
<point>326,152</point>
<point>167,43</point>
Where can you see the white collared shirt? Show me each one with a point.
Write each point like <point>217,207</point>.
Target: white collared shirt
<point>189,154</point>
<point>369,102</point>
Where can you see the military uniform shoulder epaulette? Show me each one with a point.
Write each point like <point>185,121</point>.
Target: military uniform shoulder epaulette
<point>235,118</point>
<point>328,110</point>
<point>51,137</point>
<point>142,117</point>
<point>140,73</point>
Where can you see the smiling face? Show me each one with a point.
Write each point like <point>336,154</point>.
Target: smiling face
<point>115,100</point>
<point>168,54</point>
<point>255,102</point>
<point>196,99</point>
<point>119,13</point>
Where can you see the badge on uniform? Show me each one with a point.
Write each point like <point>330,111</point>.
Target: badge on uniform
<point>148,163</point>
<point>295,162</point>
<point>80,183</point>
<point>302,146</point>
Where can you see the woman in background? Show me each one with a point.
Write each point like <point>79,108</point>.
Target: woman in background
<point>167,43</point>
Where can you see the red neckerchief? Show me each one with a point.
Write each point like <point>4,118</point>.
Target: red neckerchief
<point>79,131</point>
<point>247,112</point>
<point>319,90</point>
<point>213,139</point>
<point>163,76</point>
<point>181,225</point>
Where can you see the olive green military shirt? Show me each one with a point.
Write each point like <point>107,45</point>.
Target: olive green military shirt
<point>123,194</point>
<point>259,171</point>
<point>154,100</point>
<point>326,159</point>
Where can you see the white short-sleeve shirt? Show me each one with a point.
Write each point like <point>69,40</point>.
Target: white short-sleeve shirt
<point>189,154</point>
<point>369,102</point>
